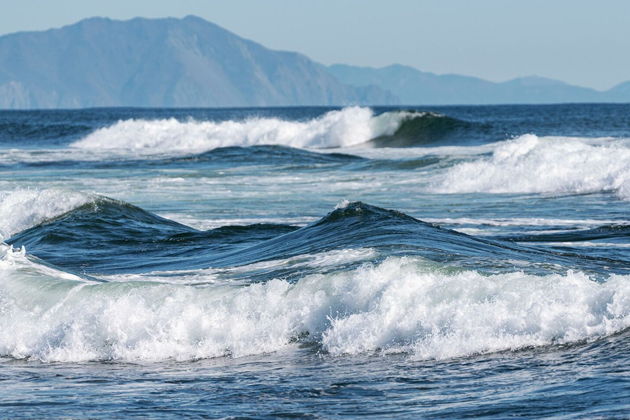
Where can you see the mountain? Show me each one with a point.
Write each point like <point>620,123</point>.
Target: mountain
<point>415,87</point>
<point>190,62</point>
<point>187,62</point>
<point>620,93</point>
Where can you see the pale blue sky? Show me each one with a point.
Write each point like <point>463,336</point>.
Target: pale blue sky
<point>581,42</point>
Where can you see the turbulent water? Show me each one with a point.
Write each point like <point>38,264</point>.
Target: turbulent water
<point>316,262</point>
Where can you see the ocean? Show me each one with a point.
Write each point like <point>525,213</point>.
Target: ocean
<point>441,262</point>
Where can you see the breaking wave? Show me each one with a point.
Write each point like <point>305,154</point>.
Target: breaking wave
<point>360,280</point>
<point>23,208</point>
<point>402,304</point>
<point>531,164</point>
<point>348,127</point>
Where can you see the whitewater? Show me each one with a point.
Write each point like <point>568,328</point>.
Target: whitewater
<point>527,163</point>
<point>343,128</point>
<point>442,262</point>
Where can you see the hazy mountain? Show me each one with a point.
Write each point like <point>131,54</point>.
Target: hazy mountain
<point>161,62</point>
<point>620,93</point>
<point>413,87</point>
<point>194,63</point>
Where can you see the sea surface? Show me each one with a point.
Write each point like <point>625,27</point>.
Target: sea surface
<point>441,262</point>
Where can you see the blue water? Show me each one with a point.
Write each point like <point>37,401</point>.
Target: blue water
<point>315,262</point>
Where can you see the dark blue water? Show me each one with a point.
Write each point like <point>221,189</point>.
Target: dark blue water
<point>314,262</point>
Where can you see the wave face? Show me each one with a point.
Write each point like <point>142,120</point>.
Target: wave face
<point>105,236</point>
<point>402,304</point>
<point>531,164</point>
<point>344,128</point>
<point>426,128</point>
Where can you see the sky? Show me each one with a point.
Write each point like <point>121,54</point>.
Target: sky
<point>586,43</point>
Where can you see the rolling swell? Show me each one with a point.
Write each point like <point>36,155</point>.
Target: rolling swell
<point>221,157</point>
<point>265,155</point>
<point>108,237</point>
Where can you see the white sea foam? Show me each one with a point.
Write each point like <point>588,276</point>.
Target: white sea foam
<point>21,209</point>
<point>347,127</point>
<point>531,164</point>
<point>400,305</point>
<point>342,204</point>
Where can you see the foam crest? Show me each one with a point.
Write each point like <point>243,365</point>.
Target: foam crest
<point>400,305</point>
<point>21,209</point>
<point>347,127</point>
<point>531,164</point>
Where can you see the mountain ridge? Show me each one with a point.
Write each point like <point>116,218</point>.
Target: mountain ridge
<point>190,62</point>
<point>417,87</point>
<point>161,62</point>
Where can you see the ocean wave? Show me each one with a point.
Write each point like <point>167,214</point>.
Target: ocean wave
<point>21,209</point>
<point>531,164</point>
<point>402,304</point>
<point>426,128</point>
<point>348,127</point>
<point>107,236</point>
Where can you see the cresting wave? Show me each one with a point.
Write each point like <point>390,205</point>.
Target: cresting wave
<point>343,128</point>
<point>21,209</point>
<point>402,304</point>
<point>531,164</point>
